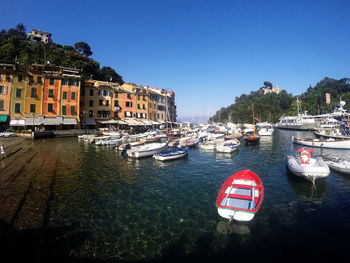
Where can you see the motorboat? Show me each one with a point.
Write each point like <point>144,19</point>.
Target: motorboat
<point>240,197</point>
<point>146,150</point>
<point>227,146</point>
<point>188,142</point>
<point>209,145</point>
<point>339,164</point>
<point>327,143</point>
<point>264,128</point>
<point>307,167</point>
<point>171,155</point>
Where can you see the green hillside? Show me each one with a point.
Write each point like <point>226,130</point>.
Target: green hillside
<point>15,47</point>
<point>271,106</point>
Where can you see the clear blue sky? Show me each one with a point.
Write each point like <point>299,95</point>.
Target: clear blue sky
<point>208,52</point>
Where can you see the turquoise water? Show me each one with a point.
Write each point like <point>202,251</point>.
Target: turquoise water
<point>119,209</point>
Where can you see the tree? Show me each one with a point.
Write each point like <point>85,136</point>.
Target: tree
<point>267,84</point>
<point>109,74</point>
<point>21,29</point>
<point>83,48</point>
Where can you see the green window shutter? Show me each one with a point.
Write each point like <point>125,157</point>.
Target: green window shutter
<point>64,110</point>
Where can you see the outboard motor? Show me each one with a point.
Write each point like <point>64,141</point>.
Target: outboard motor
<point>127,147</point>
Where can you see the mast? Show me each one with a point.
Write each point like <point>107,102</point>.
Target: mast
<point>253,118</point>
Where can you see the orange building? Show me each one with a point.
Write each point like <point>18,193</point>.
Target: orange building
<point>6,75</point>
<point>51,95</point>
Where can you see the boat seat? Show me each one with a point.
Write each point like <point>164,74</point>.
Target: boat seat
<point>237,196</point>
<point>242,186</point>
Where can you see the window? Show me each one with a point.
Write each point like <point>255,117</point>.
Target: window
<point>107,103</point>
<point>73,96</point>
<point>138,106</point>
<point>8,78</point>
<point>138,97</point>
<point>91,92</point>
<point>99,92</point>
<point>100,102</point>
<point>143,106</point>
<point>50,93</point>
<point>64,110</point>
<point>1,104</point>
<point>17,107</point>
<point>91,103</point>
<point>105,92</point>
<point>116,104</point>
<point>33,93</point>
<point>30,80</point>
<point>49,107</point>
<point>32,108</point>
<point>38,79</point>
<point>144,98</point>
<point>99,113</point>
<point>64,95</point>
<point>91,113</point>
<point>18,93</point>
<point>52,81</point>
<point>129,96</point>
<point>3,90</point>
<point>64,82</point>
<point>128,104</point>
<point>116,94</point>
<point>19,78</point>
<point>72,110</point>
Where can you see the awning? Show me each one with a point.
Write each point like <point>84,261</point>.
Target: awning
<point>17,123</point>
<point>70,121</point>
<point>3,118</point>
<point>53,121</point>
<point>90,122</point>
<point>34,120</point>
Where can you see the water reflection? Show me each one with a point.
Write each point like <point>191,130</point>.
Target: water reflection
<point>226,228</point>
<point>305,191</point>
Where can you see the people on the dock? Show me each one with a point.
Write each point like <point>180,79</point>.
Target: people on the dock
<point>2,151</point>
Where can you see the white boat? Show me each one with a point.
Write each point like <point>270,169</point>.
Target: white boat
<point>227,146</point>
<point>307,167</point>
<point>146,150</point>
<point>339,164</point>
<point>209,145</point>
<point>264,128</point>
<point>327,143</point>
<point>171,155</point>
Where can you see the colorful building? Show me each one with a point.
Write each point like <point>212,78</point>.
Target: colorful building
<point>17,109</point>
<point>5,91</point>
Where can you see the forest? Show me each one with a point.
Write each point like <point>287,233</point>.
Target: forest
<point>271,106</point>
<point>16,47</point>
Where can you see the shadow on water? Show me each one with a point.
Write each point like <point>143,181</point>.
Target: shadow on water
<point>304,189</point>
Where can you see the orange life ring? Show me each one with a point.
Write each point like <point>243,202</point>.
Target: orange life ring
<point>305,157</point>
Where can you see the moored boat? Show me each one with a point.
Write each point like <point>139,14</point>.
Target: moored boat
<point>240,197</point>
<point>307,167</point>
<point>146,150</point>
<point>339,164</point>
<point>227,146</point>
<point>171,155</point>
<point>327,143</point>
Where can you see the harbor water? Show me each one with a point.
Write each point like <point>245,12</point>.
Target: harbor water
<point>102,206</point>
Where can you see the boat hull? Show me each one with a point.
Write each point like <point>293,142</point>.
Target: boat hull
<point>145,150</point>
<point>171,155</point>
<point>240,197</point>
<point>319,169</point>
<point>329,143</point>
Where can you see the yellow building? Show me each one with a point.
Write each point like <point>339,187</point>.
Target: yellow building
<point>34,93</point>
<point>6,76</point>
<point>141,101</point>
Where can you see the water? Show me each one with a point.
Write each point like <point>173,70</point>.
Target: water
<point>109,207</point>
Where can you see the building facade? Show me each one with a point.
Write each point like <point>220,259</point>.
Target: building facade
<point>39,36</point>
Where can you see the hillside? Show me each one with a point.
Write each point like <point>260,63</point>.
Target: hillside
<point>271,106</point>
<point>15,47</point>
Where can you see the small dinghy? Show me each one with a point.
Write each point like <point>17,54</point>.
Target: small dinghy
<point>240,197</point>
<point>171,155</point>
<point>209,146</point>
<point>339,164</point>
<point>307,167</point>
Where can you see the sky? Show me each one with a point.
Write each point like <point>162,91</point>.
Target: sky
<point>208,52</point>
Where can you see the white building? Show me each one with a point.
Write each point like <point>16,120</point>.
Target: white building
<point>39,36</point>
